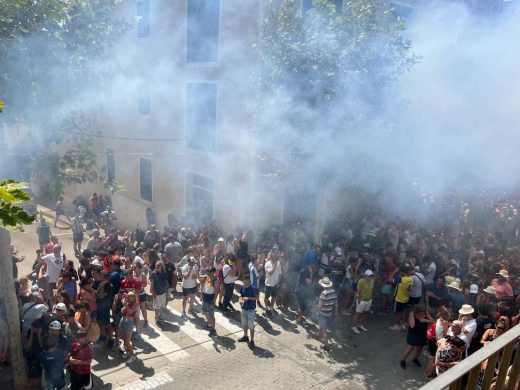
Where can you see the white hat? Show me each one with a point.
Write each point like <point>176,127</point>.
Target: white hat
<point>466,309</point>
<point>473,289</point>
<point>503,273</point>
<point>325,282</point>
<point>55,325</point>
<point>96,263</point>
<point>490,290</point>
<point>369,272</point>
<point>221,239</point>
<point>455,285</point>
<point>61,306</point>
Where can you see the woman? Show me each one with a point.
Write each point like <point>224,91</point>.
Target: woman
<point>210,284</point>
<point>88,294</point>
<point>436,332</point>
<point>63,297</point>
<point>281,299</point>
<point>82,316</point>
<point>139,274</point>
<point>128,314</point>
<point>67,284</point>
<point>450,354</point>
<point>491,334</point>
<point>68,266</point>
<point>242,248</point>
<point>305,289</point>
<point>418,322</point>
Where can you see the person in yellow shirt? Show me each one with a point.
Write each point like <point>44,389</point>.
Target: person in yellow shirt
<point>364,292</point>
<point>404,281</point>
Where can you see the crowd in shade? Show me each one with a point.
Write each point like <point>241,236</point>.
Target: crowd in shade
<point>452,287</point>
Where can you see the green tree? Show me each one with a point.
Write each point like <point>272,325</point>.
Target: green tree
<point>325,75</point>
<point>49,53</point>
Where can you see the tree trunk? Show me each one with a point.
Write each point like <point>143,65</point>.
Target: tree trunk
<point>13,315</point>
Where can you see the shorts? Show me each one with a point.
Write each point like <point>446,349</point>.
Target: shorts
<point>247,317</point>
<point>208,308</point>
<point>142,298</point>
<point>325,322</point>
<point>363,306</point>
<point>79,381</point>
<point>302,300</point>
<point>386,289</point>
<point>126,325</point>
<point>189,291</point>
<point>400,307</point>
<point>159,301</point>
<point>413,301</point>
<point>77,237</point>
<point>271,292</point>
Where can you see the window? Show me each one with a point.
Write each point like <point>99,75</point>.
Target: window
<point>308,4</point>
<point>201,116</point>
<point>111,166</point>
<point>143,13</point>
<point>199,199</point>
<point>145,179</point>
<point>144,105</point>
<point>203,30</point>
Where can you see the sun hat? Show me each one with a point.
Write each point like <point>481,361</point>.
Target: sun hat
<point>369,272</point>
<point>490,290</point>
<point>455,285</point>
<point>466,309</point>
<point>325,282</point>
<point>503,273</point>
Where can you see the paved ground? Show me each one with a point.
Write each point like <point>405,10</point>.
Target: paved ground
<point>287,355</point>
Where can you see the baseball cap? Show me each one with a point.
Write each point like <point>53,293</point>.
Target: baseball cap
<point>369,272</point>
<point>61,306</point>
<point>55,325</point>
<point>221,239</point>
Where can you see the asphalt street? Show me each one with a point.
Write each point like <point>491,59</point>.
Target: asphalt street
<point>288,355</point>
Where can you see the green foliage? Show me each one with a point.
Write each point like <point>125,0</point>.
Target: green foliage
<point>13,217</point>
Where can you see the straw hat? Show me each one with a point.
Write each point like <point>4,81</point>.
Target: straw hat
<point>455,285</point>
<point>489,290</point>
<point>325,282</point>
<point>503,273</point>
<point>466,309</point>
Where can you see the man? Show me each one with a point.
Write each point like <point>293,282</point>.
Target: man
<point>152,237</point>
<point>219,252</point>
<point>436,293</point>
<point>31,311</point>
<point>327,310</point>
<point>248,298</point>
<point>310,256</point>
<point>60,210</point>
<point>189,285</point>
<point>115,276</point>
<point>456,296</point>
<point>80,360</point>
<point>404,282</point>
<point>418,286</point>
<point>171,275</point>
<point>273,271</point>
<point>469,324</point>
<point>70,328</point>
<point>158,288</point>
<point>77,233</point>
<point>44,234</point>
<point>95,242</point>
<point>53,363</point>
<point>503,289</point>
<point>173,250</point>
<point>364,293</point>
<point>228,272</point>
<point>324,260</point>
<point>429,270</point>
<point>54,262</point>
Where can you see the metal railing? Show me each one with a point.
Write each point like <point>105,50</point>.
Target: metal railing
<point>501,352</point>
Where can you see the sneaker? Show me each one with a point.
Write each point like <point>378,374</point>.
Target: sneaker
<point>417,362</point>
<point>221,306</point>
<point>403,327</point>
<point>183,316</point>
<point>362,328</point>
<point>395,327</point>
<point>355,330</point>
<point>131,359</point>
<point>126,355</point>
<point>193,311</point>
<point>403,364</point>
<point>252,344</point>
<point>243,339</point>
<point>212,333</point>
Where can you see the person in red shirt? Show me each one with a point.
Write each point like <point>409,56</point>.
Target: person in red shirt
<point>503,289</point>
<point>79,360</point>
<point>132,284</point>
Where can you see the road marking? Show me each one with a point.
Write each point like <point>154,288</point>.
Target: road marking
<point>226,323</point>
<point>165,346</point>
<point>149,383</point>
<point>190,329</point>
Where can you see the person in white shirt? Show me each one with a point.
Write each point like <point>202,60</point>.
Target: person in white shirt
<point>189,285</point>
<point>469,324</point>
<point>273,271</point>
<point>54,263</point>
<point>228,272</point>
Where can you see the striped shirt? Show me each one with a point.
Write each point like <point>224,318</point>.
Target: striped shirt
<point>328,301</point>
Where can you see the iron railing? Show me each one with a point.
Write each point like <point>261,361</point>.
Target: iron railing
<point>501,354</point>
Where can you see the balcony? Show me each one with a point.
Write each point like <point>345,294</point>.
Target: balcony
<point>502,353</point>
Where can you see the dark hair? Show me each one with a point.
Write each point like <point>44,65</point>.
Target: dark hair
<point>456,341</point>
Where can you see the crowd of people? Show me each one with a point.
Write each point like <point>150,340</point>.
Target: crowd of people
<point>453,287</point>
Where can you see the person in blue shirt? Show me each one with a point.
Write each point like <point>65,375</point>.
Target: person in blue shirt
<point>310,257</point>
<point>248,298</point>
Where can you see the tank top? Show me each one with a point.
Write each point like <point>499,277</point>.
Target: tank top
<point>208,286</point>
